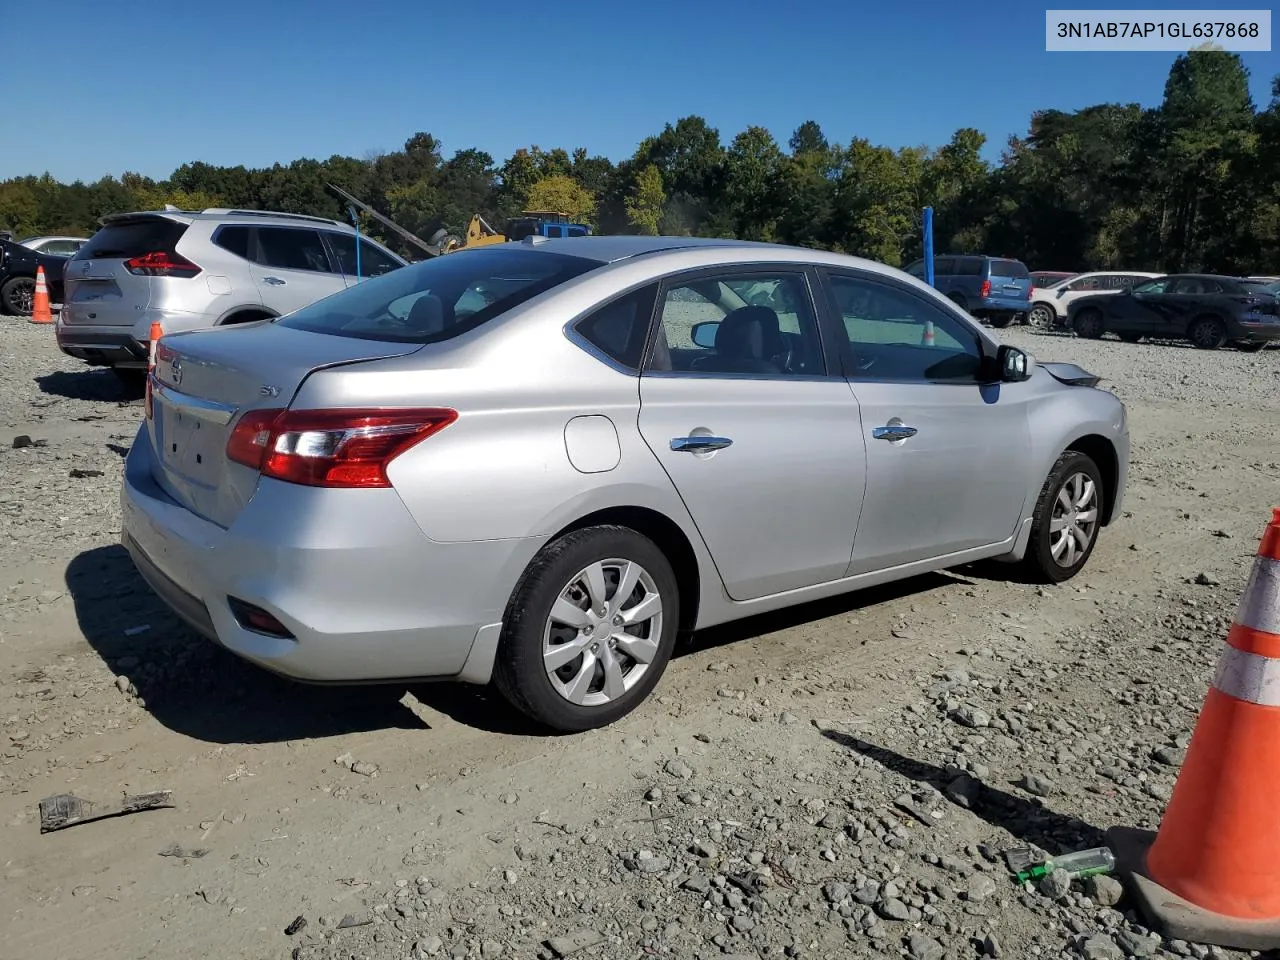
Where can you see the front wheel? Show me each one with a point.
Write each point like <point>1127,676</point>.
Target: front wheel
<point>18,296</point>
<point>1041,316</point>
<point>1067,518</point>
<point>589,629</point>
<point>1001,320</point>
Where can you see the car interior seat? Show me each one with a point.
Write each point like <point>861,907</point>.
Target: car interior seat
<point>748,340</point>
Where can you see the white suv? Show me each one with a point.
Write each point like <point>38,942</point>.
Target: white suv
<point>1049,305</point>
<point>196,269</point>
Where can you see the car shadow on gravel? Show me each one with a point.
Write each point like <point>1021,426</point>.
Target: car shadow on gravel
<point>194,687</point>
<point>1026,819</point>
<point>99,386</point>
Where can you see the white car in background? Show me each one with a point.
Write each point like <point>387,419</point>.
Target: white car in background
<point>1049,305</point>
<point>55,246</point>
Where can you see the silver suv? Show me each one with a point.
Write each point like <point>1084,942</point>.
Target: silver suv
<point>196,269</point>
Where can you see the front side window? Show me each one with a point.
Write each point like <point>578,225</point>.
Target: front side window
<point>759,324</point>
<point>373,262</point>
<point>440,298</point>
<point>895,335</point>
<point>1153,286</point>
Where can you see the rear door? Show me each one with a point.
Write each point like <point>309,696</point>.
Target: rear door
<point>291,268</point>
<point>762,445</point>
<point>1184,298</point>
<point>104,284</point>
<point>1010,279</point>
<point>946,455</point>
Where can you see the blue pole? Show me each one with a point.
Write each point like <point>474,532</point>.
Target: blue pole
<point>355,219</point>
<point>928,245</point>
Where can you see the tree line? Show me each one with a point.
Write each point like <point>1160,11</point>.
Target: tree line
<point>1193,184</point>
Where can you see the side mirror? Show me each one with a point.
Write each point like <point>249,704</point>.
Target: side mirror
<point>1015,365</point>
<point>704,333</point>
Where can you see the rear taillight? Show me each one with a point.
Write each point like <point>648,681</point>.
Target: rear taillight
<point>331,448</point>
<point>161,264</point>
<point>986,289</point>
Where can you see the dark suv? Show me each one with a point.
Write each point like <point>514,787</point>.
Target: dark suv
<point>996,289</point>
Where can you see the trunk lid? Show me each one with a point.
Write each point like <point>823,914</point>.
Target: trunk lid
<point>1010,278</point>
<point>206,380</point>
<point>98,289</point>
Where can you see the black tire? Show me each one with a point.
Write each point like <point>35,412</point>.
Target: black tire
<point>1207,333</point>
<point>1129,337</point>
<point>1088,324</point>
<point>18,295</point>
<point>1001,320</point>
<point>519,671</point>
<point>1040,560</point>
<point>134,381</point>
<point>1042,316</point>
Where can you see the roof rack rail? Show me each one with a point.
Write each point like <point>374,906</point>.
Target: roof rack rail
<point>225,211</point>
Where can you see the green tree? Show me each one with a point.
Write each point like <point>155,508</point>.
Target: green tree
<point>645,204</point>
<point>561,193</point>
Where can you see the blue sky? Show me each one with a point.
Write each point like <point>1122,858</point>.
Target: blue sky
<point>104,89</point>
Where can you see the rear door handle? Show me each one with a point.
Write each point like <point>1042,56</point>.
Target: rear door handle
<point>699,444</point>
<point>899,432</point>
<point>274,281</point>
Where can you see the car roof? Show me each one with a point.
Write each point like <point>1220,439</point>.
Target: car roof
<point>614,249</point>
<point>226,214</point>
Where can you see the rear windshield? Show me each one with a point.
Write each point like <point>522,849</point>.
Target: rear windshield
<point>133,238</point>
<point>1013,269</point>
<point>1257,286</point>
<point>440,298</point>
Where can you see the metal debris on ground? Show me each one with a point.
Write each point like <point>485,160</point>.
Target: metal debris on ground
<point>67,810</point>
<point>298,923</point>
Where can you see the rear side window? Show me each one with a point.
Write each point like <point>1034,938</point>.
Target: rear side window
<point>234,240</point>
<point>1010,269</point>
<point>290,248</point>
<point>619,329</point>
<point>944,266</point>
<point>440,298</point>
<point>968,267</point>
<point>133,238</point>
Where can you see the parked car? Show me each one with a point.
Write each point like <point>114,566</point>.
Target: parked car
<point>59,246</point>
<point>190,270</point>
<point>611,447</point>
<point>1050,307</point>
<point>995,289</point>
<point>1209,310</point>
<point>1049,278</point>
<point>18,267</point>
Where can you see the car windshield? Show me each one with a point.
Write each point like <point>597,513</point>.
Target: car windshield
<point>440,298</point>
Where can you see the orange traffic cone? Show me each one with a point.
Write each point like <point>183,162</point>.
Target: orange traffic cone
<point>40,312</point>
<point>927,339</point>
<point>1212,874</point>
<point>153,338</point>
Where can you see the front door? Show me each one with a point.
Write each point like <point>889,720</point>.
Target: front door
<point>946,455</point>
<point>762,445</point>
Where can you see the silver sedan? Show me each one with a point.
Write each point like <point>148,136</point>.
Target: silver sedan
<point>537,464</point>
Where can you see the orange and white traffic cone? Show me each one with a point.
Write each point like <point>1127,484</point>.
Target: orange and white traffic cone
<point>1212,874</point>
<point>927,339</point>
<point>40,310</point>
<point>157,331</point>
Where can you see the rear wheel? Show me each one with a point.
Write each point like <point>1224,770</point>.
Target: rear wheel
<point>1001,320</point>
<point>1207,333</point>
<point>1041,316</point>
<point>1067,518</point>
<point>1129,337</point>
<point>18,296</point>
<point>1088,324</point>
<point>589,629</point>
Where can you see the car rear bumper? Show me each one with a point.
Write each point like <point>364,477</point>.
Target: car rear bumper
<point>1258,332</point>
<point>366,596</point>
<point>1001,305</point>
<point>119,345</point>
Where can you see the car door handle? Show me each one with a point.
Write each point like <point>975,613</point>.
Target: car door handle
<point>698,444</point>
<point>274,281</point>
<point>898,432</point>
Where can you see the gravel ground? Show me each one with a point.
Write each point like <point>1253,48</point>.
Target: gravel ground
<point>835,781</point>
